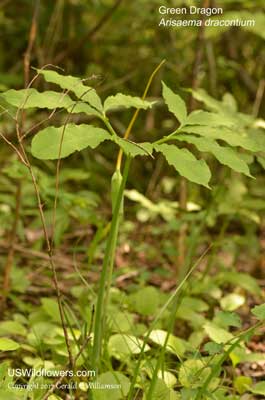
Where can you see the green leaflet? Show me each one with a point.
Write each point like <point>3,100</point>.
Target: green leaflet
<point>89,95</point>
<point>186,164</point>
<point>85,108</point>
<point>31,98</point>
<point>134,149</point>
<point>209,119</point>
<point>122,100</point>
<point>74,85</point>
<point>225,155</point>
<point>46,143</point>
<point>175,104</point>
<point>244,140</point>
<point>64,81</point>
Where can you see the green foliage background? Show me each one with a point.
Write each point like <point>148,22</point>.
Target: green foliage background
<point>114,46</point>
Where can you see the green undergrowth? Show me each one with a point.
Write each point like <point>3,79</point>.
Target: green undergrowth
<point>211,336</point>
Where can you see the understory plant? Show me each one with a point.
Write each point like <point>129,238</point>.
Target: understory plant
<point>220,132</point>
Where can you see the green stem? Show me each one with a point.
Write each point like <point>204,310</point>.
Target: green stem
<point>167,138</point>
<point>105,276</point>
<point>109,126</point>
<point>111,263</point>
<point>109,275</point>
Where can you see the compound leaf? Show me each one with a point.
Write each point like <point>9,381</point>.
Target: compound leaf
<point>206,118</point>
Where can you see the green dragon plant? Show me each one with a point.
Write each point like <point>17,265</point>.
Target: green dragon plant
<point>234,139</point>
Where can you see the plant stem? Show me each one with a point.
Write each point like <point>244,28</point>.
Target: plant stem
<point>109,126</point>
<point>168,137</point>
<point>107,268</point>
<point>105,276</point>
<point>111,262</point>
